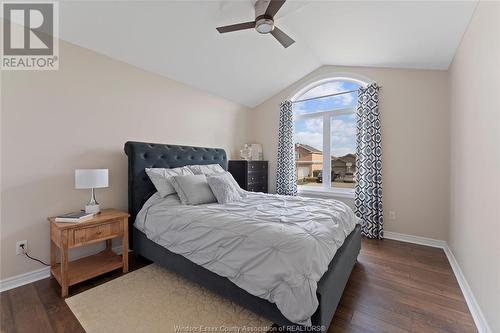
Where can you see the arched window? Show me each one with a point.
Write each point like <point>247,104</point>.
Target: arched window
<point>325,134</point>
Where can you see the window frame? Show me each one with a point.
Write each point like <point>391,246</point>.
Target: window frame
<point>327,116</point>
<point>321,77</point>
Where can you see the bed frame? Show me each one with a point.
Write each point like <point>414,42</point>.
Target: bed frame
<point>143,155</point>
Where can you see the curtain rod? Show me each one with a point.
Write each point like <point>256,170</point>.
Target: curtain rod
<point>330,95</point>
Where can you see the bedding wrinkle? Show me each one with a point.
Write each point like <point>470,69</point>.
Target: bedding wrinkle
<point>274,247</point>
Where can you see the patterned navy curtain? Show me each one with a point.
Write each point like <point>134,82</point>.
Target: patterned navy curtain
<point>368,191</point>
<point>286,183</point>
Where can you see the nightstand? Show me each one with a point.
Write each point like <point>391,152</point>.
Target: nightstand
<point>105,226</point>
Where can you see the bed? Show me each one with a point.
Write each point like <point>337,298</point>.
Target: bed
<point>143,155</point>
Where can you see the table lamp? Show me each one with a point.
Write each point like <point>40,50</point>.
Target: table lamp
<point>91,178</point>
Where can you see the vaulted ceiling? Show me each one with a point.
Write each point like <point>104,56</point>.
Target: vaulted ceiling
<point>177,39</point>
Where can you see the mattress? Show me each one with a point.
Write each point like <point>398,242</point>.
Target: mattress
<point>274,247</point>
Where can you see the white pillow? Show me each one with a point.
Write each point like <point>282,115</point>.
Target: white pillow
<point>161,178</point>
<point>207,169</point>
<point>233,181</point>
<point>224,188</point>
<point>193,189</point>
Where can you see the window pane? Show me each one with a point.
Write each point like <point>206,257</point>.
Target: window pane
<point>308,140</point>
<point>343,147</point>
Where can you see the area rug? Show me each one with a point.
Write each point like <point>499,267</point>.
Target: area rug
<point>153,299</point>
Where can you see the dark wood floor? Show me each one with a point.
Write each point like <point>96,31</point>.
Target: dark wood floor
<point>394,287</point>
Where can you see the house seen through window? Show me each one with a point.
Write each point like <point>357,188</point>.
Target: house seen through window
<point>325,136</point>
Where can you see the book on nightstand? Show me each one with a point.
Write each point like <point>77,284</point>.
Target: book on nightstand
<point>74,217</point>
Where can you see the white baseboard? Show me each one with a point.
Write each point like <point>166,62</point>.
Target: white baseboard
<point>33,276</point>
<point>22,279</point>
<point>415,239</point>
<point>474,308</point>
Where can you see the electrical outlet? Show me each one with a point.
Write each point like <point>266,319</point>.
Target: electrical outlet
<point>392,215</point>
<point>19,249</point>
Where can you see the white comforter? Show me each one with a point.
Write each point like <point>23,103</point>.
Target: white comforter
<point>274,247</point>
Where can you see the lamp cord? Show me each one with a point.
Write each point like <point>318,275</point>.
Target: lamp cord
<point>30,257</point>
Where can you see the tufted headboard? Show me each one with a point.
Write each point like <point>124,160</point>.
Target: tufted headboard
<point>143,155</point>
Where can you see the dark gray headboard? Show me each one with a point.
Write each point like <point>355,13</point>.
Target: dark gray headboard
<point>143,155</point>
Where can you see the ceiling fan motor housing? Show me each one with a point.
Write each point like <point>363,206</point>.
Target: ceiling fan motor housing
<point>264,24</point>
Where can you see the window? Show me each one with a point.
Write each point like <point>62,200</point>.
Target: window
<point>325,136</point>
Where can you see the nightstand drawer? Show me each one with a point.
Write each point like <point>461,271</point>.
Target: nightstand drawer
<point>95,233</point>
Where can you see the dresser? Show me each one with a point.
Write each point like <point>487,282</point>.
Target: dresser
<point>250,175</point>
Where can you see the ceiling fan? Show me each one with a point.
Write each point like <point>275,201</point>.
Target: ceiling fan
<point>265,10</point>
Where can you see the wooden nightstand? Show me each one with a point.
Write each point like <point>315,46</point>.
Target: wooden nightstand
<point>110,223</point>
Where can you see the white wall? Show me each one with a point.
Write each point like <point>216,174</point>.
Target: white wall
<point>80,117</point>
<point>475,158</point>
<point>415,142</point>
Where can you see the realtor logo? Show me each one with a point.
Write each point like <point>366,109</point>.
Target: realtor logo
<point>30,36</point>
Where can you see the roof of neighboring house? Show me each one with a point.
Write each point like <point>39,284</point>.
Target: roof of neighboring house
<point>346,158</point>
<point>308,148</point>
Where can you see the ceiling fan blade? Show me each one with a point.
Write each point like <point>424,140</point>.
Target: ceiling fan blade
<point>236,27</point>
<point>273,7</point>
<point>282,37</point>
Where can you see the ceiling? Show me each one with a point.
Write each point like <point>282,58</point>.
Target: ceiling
<point>177,39</point>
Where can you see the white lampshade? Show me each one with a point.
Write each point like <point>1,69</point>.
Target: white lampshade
<point>91,178</point>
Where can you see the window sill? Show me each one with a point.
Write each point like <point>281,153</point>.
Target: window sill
<point>323,192</point>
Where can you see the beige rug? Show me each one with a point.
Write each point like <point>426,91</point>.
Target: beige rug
<point>153,299</point>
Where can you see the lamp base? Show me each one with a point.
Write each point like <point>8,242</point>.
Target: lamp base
<point>92,209</point>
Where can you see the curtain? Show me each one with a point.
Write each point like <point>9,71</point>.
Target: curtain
<point>286,183</point>
<point>368,191</point>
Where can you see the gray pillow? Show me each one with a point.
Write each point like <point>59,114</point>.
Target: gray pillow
<point>206,169</point>
<point>224,187</point>
<point>193,189</point>
<point>161,178</point>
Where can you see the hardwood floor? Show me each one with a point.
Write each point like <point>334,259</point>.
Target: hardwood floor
<point>394,287</point>
<point>401,287</point>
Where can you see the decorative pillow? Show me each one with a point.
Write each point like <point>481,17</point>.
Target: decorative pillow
<point>223,187</point>
<point>241,191</point>
<point>161,178</point>
<point>207,169</point>
<point>193,189</point>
